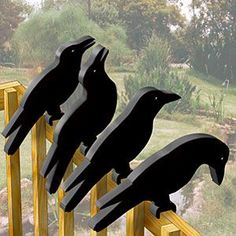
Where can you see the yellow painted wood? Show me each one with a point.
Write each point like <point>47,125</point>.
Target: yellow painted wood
<point>40,198</point>
<point>13,171</point>
<point>135,221</point>
<point>4,86</point>
<point>7,85</point>
<point>78,157</point>
<point>182,233</point>
<point>180,223</point>
<point>49,132</point>
<point>170,230</point>
<point>66,219</point>
<point>110,183</point>
<point>153,224</point>
<point>97,191</point>
<point>20,92</point>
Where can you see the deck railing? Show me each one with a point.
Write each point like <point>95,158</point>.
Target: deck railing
<point>169,224</point>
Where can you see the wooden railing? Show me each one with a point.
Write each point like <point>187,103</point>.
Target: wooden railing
<point>137,219</point>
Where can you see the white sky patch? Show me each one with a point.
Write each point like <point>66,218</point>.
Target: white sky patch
<point>186,10</point>
<point>34,2</point>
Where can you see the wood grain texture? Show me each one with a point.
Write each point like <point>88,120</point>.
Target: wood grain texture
<point>110,183</point>
<point>16,85</point>
<point>66,219</point>
<point>135,221</point>
<point>180,223</point>
<point>153,224</point>
<point>170,230</point>
<point>13,171</point>
<point>40,198</point>
<point>97,191</point>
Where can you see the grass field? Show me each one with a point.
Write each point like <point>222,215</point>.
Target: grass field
<point>210,86</point>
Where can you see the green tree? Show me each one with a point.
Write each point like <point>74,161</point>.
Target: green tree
<point>12,13</point>
<point>142,18</point>
<point>211,38</point>
<point>37,39</point>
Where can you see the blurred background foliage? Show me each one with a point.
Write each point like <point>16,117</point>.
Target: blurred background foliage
<point>188,47</point>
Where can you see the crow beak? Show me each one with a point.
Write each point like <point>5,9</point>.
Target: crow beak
<point>104,56</point>
<point>81,45</point>
<point>171,97</point>
<point>86,42</point>
<point>100,56</point>
<point>97,57</point>
<point>217,174</point>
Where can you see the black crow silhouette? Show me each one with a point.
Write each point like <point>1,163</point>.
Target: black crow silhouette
<point>87,117</point>
<point>120,143</point>
<point>161,174</point>
<point>47,92</point>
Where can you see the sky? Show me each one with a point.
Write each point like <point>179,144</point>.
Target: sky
<point>185,8</point>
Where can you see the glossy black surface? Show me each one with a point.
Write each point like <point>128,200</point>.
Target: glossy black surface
<point>161,174</point>
<point>118,144</point>
<point>47,92</point>
<point>85,119</point>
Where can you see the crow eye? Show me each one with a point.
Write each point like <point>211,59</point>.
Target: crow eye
<point>222,158</point>
<point>155,98</point>
<point>94,71</point>
<point>73,50</point>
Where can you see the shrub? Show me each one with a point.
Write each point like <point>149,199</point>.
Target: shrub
<point>8,57</point>
<point>153,70</point>
<point>38,38</point>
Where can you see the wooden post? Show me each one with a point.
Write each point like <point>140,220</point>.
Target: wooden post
<point>39,190</point>
<point>185,228</point>
<point>66,219</point>
<point>153,224</point>
<point>13,171</point>
<point>170,230</point>
<point>135,221</point>
<point>97,191</point>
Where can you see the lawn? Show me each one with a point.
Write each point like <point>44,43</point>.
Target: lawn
<point>210,86</point>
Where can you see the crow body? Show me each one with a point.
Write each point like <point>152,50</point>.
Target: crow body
<point>118,144</point>
<point>161,174</point>
<point>47,92</point>
<point>86,118</point>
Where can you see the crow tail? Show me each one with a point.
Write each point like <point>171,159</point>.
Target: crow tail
<point>16,121</point>
<point>75,195</point>
<point>56,174</point>
<point>109,214</point>
<point>78,175</point>
<point>55,153</point>
<point>16,138</point>
<point>116,195</point>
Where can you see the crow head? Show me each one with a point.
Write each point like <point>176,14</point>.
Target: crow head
<point>218,161</point>
<point>71,53</point>
<point>150,100</point>
<point>94,66</point>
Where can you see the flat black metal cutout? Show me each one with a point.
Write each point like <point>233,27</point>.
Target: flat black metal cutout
<point>47,92</point>
<point>161,174</point>
<point>118,144</point>
<point>85,119</point>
